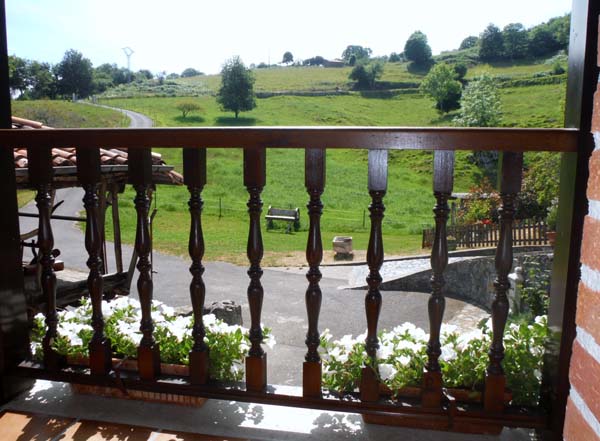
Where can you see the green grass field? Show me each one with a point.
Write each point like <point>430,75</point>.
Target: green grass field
<point>409,200</point>
<point>68,115</point>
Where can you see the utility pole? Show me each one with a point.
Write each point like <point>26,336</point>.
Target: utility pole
<point>128,53</point>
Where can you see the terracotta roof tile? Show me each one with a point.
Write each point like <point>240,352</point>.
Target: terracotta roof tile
<point>66,156</point>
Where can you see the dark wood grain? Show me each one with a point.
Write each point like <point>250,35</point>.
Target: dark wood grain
<point>88,173</point>
<point>254,180</point>
<point>407,138</point>
<point>512,169</point>
<point>443,178</point>
<point>194,168</point>
<point>140,175</point>
<point>314,172</point>
<point>377,189</point>
<point>41,173</point>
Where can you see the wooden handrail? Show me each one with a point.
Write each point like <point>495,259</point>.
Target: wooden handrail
<point>389,138</point>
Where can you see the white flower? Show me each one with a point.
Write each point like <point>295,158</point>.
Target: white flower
<point>326,334</point>
<point>347,342</point>
<point>385,351</point>
<point>135,337</point>
<point>209,319</point>
<point>448,353</point>
<point>270,341</point>
<point>179,327</point>
<point>541,320</point>
<point>447,329</point>
<point>404,360</point>
<point>387,371</point>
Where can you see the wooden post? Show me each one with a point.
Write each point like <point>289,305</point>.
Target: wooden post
<point>495,381</point>
<point>140,175</point>
<point>254,180</point>
<point>194,176</point>
<point>369,386</point>
<point>88,172</point>
<point>314,172</point>
<point>14,332</point>
<point>40,177</point>
<point>443,178</point>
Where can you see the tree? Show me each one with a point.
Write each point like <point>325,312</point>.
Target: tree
<point>541,41</point>
<point>314,61</point>
<point>190,72</point>
<point>394,58</point>
<point>460,69</point>
<point>417,49</point>
<point>143,74</point>
<point>365,75</point>
<point>17,73</point>
<point>287,58</point>
<point>441,85</point>
<point>42,81</point>
<point>469,42</point>
<point>480,103</point>
<point>237,87</point>
<point>359,53</point>
<point>491,44</point>
<point>187,106</point>
<point>516,41</point>
<point>75,74</point>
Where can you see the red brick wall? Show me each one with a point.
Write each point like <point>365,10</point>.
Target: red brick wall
<point>583,409</point>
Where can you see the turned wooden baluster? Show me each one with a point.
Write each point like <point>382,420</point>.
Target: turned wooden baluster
<point>194,176</point>
<point>443,169</point>
<point>40,177</point>
<point>254,180</point>
<point>495,382</point>
<point>314,172</point>
<point>140,175</point>
<point>369,387</point>
<point>88,173</point>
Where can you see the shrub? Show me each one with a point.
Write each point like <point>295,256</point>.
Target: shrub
<point>365,75</point>
<point>188,106</point>
<point>441,85</point>
<point>480,104</point>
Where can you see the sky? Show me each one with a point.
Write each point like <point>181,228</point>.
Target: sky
<point>176,34</point>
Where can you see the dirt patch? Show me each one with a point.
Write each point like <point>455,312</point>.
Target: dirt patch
<point>290,258</point>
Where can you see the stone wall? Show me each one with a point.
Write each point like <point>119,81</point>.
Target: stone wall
<point>470,280</point>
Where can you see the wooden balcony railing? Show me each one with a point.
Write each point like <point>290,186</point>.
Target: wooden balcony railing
<point>434,406</point>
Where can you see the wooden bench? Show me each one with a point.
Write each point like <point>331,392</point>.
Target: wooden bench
<point>291,216</point>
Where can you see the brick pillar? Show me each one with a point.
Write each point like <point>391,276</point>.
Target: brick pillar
<point>582,422</point>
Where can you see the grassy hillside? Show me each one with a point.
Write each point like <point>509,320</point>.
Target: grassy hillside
<point>66,114</point>
<point>409,198</point>
<point>317,79</point>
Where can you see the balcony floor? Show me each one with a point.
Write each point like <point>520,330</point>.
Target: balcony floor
<point>114,419</point>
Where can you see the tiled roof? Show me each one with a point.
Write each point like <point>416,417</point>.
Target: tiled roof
<point>66,156</point>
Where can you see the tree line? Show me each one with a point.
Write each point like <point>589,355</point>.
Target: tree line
<point>74,74</point>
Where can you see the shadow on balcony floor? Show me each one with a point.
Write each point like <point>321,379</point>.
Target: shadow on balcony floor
<point>224,419</point>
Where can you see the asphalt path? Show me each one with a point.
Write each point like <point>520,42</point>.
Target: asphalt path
<point>283,308</point>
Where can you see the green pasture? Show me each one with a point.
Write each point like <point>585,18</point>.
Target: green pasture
<point>409,199</point>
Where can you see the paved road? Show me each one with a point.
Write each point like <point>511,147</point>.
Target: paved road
<point>284,310</point>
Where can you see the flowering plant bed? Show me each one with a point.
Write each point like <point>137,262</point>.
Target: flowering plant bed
<point>402,357</point>
<point>228,344</point>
